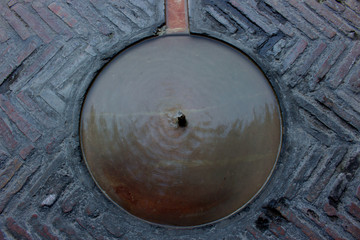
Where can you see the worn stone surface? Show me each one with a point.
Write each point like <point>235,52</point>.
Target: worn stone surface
<point>50,50</point>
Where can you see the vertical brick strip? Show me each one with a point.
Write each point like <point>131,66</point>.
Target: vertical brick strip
<point>177,16</point>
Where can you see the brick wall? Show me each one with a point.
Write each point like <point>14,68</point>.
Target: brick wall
<point>50,50</point>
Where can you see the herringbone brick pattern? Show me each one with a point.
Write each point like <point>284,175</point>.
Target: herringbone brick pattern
<point>311,52</point>
<point>50,50</point>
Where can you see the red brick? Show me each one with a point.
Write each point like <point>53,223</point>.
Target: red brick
<point>329,62</point>
<point>24,153</point>
<point>354,5</point>
<point>2,236</point>
<point>9,172</point>
<point>176,16</point>
<point>7,136</point>
<point>28,130</point>
<point>63,14</point>
<point>3,33</point>
<point>352,17</point>
<point>277,230</point>
<point>291,217</point>
<point>293,17</point>
<point>294,53</point>
<point>34,109</point>
<point>51,19</point>
<point>355,82</point>
<point>352,229</point>
<point>262,22</point>
<point>91,15</point>
<point>311,58</point>
<point>338,7</point>
<point>41,229</point>
<point>330,210</point>
<point>255,233</point>
<point>26,52</point>
<point>346,65</point>
<point>16,187</point>
<point>15,23</point>
<point>41,60</point>
<point>328,99</point>
<point>5,71</point>
<point>42,30</point>
<point>317,22</point>
<point>17,231</point>
<point>66,228</point>
<point>315,218</point>
<point>354,210</point>
<point>330,16</point>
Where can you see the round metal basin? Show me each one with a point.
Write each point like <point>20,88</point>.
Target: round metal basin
<point>181,130</point>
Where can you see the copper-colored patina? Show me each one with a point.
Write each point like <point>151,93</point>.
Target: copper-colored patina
<point>181,130</point>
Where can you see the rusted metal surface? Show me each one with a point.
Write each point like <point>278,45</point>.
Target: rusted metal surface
<point>143,156</point>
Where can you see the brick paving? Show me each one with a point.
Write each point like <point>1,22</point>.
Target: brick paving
<point>50,50</point>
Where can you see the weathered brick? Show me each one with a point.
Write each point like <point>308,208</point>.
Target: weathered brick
<point>7,136</point>
<point>71,201</point>
<point>293,17</point>
<point>63,13</point>
<point>277,230</point>
<point>324,175</point>
<point>311,58</point>
<point>25,127</point>
<point>354,210</point>
<point>314,19</point>
<point>15,23</point>
<point>24,153</point>
<point>352,229</point>
<point>42,30</point>
<point>328,99</point>
<point>112,14</point>
<point>251,13</point>
<point>316,219</point>
<point>5,71</point>
<point>34,109</point>
<point>315,111</point>
<point>9,172</point>
<point>354,82</point>
<point>92,230</point>
<point>330,210</point>
<point>53,100</point>
<point>329,62</point>
<point>52,20</point>
<point>41,60</point>
<point>291,217</point>
<point>352,17</point>
<point>26,52</point>
<point>17,186</point>
<point>17,231</point>
<point>111,224</point>
<point>92,16</point>
<point>346,65</point>
<point>335,5</point>
<point>354,5</point>
<point>4,36</point>
<point>40,229</point>
<point>68,230</point>
<point>293,54</point>
<point>221,19</point>
<point>255,233</point>
<point>330,16</point>
<point>136,16</point>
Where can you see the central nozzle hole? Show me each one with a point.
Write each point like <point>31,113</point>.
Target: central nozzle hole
<point>182,120</point>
